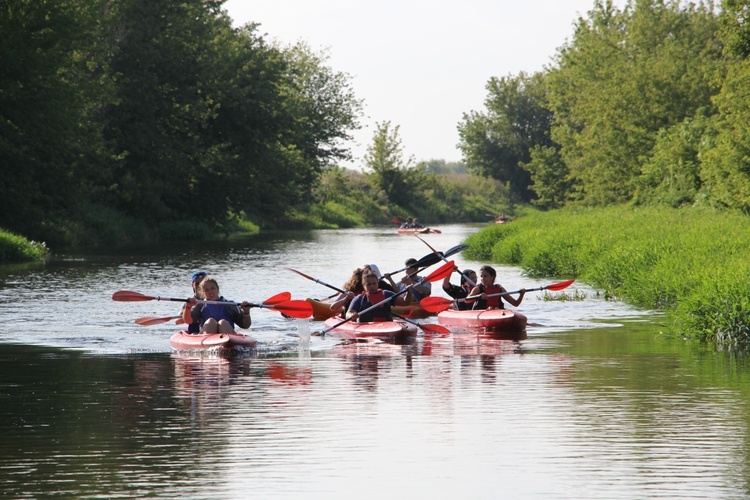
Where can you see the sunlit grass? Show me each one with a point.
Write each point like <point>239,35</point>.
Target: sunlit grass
<point>14,248</point>
<point>693,263</point>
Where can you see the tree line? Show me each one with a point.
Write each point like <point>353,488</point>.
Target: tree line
<point>648,104</point>
<point>126,115</point>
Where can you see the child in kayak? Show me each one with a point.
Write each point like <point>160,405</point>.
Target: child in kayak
<point>219,318</point>
<point>486,287</point>
<point>193,327</point>
<point>374,295</point>
<point>461,292</point>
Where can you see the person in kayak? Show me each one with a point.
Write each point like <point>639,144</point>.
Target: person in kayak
<point>352,288</point>
<point>462,291</point>
<point>374,295</point>
<point>419,290</point>
<point>193,326</point>
<point>486,287</point>
<point>382,282</point>
<point>219,318</point>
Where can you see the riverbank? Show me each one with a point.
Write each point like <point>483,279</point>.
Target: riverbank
<point>14,248</point>
<point>692,263</point>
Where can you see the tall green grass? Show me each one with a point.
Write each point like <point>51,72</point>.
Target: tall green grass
<point>14,248</point>
<point>693,263</point>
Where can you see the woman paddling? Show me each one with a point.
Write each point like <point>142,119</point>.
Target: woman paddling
<point>219,318</point>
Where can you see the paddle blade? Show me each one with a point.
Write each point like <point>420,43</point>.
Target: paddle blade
<point>428,260</point>
<point>435,329</point>
<point>559,286</point>
<point>300,273</point>
<point>455,250</point>
<point>395,221</point>
<point>436,231</point>
<point>441,272</point>
<point>154,320</point>
<point>128,296</point>
<point>435,304</point>
<point>294,308</point>
<point>278,298</point>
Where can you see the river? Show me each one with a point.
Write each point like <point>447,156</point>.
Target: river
<point>595,402</point>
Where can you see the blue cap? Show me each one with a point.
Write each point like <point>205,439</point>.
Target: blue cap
<point>197,275</point>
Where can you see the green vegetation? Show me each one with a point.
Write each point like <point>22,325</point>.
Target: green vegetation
<point>14,248</point>
<point>692,263</point>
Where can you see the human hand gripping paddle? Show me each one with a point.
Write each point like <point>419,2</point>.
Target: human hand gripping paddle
<point>280,302</point>
<point>436,275</point>
<point>437,304</point>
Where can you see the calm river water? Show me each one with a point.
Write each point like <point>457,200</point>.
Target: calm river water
<point>593,403</point>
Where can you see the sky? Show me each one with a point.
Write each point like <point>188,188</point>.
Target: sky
<point>419,64</point>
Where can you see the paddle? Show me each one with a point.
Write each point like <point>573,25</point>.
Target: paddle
<point>316,280</point>
<point>442,256</point>
<point>426,327</point>
<point>437,304</point>
<point>279,302</point>
<point>155,320</point>
<point>436,275</point>
<point>431,258</point>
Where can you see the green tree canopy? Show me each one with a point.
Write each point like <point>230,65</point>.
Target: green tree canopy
<point>497,142</point>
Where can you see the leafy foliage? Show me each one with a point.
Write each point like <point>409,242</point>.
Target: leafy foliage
<point>497,142</point>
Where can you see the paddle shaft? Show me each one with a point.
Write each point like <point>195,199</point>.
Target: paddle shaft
<point>442,256</point>
<point>505,293</point>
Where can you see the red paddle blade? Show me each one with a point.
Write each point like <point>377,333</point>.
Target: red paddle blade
<point>128,296</point>
<point>436,231</point>
<point>395,221</point>
<point>294,308</point>
<point>435,304</point>
<point>278,298</point>
<point>154,320</point>
<point>559,286</point>
<point>436,329</point>
<point>441,272</point>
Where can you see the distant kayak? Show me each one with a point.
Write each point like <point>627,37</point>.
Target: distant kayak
<point>493,319</point>
<point>418,230</point>
<point>212,342</point>
<point>352,329</point>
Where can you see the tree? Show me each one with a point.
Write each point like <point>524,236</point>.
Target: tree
<point>49,147</point>
<point>389,170</point>
<point>624,77</point>
<point>497,142</point>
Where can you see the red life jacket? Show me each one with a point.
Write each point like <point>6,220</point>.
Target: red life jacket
<point>494,302</point>
<point>381,313</point>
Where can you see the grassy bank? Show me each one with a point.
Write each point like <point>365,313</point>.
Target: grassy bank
<point>14,248</point>
<point>692,263</point>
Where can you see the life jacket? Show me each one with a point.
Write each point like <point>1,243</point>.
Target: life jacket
<point>218,312</point>
<point>382,313</point>
<point>491,302</point>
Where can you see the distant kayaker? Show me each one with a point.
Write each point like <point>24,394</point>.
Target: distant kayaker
<point>374,295</point>
<point>419,290</point>
<point>193,326</point>
<point>487,287</point>
<point>219,318</point>
<point>460,292</point>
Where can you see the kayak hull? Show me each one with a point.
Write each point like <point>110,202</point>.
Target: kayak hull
<point>352,329</point>
<point>418,230</point>
<point>321,309</point>
<point>412,311</point>
<point>492,320</point>
<point>212,342</point>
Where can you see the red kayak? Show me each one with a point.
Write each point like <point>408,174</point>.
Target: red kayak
<point>213,342</point>
<point>493,319</point>
<point>352,329</point>
<point>418,230</point>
